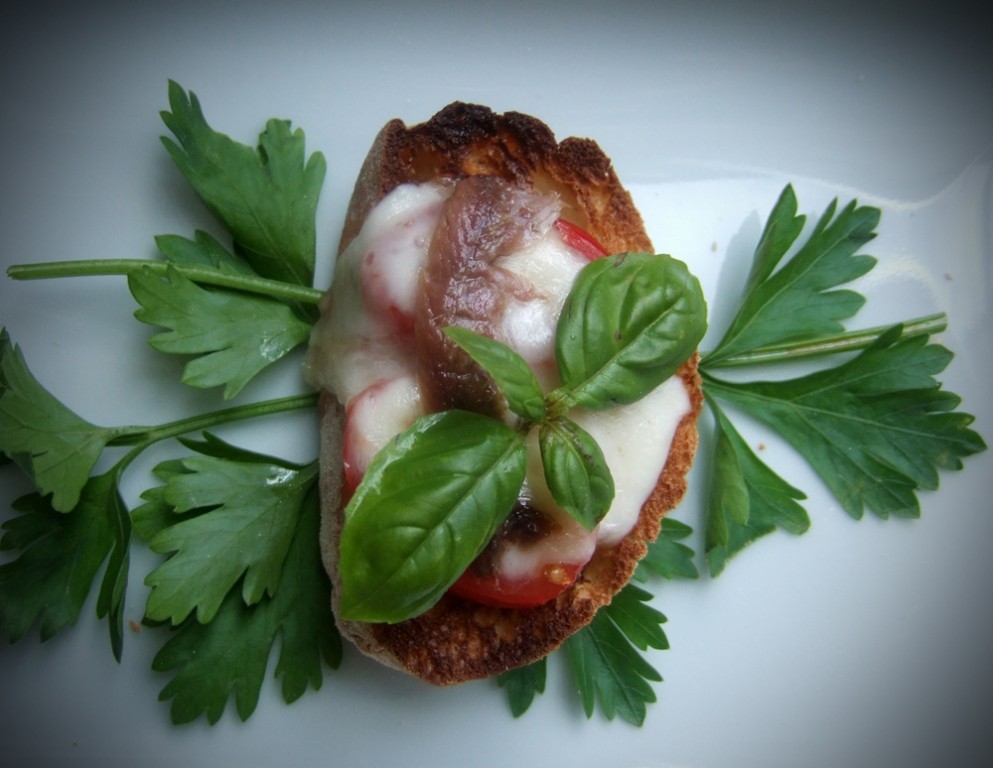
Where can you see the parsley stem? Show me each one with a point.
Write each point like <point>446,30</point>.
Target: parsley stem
<point>198,274</point>
<point>145,436</point>
<point>851,341</point>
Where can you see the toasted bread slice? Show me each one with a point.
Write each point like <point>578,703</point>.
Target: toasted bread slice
<point>458,640</point>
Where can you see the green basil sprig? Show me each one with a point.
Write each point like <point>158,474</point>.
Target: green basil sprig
<point>436,494</point>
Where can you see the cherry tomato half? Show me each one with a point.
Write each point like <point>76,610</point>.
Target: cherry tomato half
<point>526,593</point>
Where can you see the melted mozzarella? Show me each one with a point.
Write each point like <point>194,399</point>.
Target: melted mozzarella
<point>528,323</point>
<point>391,258</point>
<point>376,415</point>
<point>356,345</point>
<point>635,464</point>
<point>570,544</point>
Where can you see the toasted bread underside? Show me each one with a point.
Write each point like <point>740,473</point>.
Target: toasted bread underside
<point>459,640</point>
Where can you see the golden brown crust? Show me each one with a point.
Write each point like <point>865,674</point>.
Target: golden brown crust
<point>459,640</point>
<point>466,139</point>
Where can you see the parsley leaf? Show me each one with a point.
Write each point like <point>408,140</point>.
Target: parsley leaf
<point>796,302</point>
<point>5,349</point>
<point>267,197</point>
<point>667,556</point>
<point>156,514</point>
<point>247,508</point>
<point>876,428</point>
<point>747,499</point>
<point>604,657</point>
<point>523,684</point>
<point>640,623</point>
<point>60,555</point>
<point>237,334</point>
<point>77,523</point>
<point>55,447</point>
<point>203,250</point>
<point>210,662</point>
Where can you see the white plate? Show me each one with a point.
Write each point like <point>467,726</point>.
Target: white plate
<point>857,644</point>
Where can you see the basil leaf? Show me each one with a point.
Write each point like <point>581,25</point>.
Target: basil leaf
<point>628,324</point>
<point>429,503</point>
<point>509,370</point>
<point>575,471</point>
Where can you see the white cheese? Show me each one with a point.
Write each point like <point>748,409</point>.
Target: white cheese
<point>570,544</point>
<point>635,441</point>
<point>376,415</point>
<point>528,324</point>
<point>355,344</point>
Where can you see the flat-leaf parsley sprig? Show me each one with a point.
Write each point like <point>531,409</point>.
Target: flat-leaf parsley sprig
<point>76,520</point>
<point>230,595</point>
<point>263,512</point>
<point>876,428</point>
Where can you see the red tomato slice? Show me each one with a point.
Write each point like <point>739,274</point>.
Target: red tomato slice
<point>579,239</point>
<point>526,593</point>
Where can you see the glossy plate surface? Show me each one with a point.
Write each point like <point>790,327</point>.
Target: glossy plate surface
<point>857,644</point>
